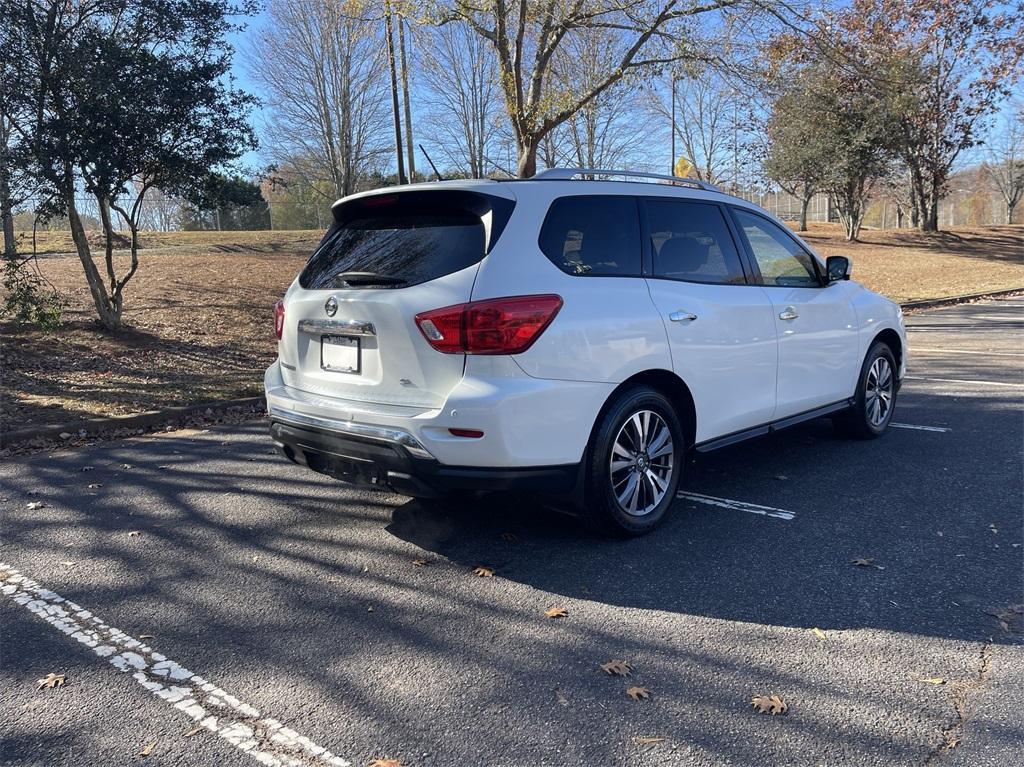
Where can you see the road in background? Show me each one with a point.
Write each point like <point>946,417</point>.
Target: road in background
<point>304,599</point>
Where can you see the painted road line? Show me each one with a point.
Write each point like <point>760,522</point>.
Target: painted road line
<point>265,739</point>
<point>726,503</point>
<point>942,429</point>
<point>962,381</point>
<point>929,350</point>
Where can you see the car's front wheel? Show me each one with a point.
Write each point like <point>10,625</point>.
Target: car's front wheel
<point>634,463</point>
<point>875,399</point>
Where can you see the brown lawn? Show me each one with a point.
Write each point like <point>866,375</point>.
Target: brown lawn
<point>199,326</point>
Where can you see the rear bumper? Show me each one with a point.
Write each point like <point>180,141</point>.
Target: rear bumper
<point>393,459</point>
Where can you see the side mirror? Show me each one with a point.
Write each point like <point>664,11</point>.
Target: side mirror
<point>837,268</point>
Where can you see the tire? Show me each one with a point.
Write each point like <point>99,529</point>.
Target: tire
<point>631,431</point>
<point>873,404</point>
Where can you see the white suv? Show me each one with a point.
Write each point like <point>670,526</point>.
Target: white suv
<point>568,336</point>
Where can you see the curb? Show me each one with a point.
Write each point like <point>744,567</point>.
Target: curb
<point>147,420</point>
<point>931,303</point>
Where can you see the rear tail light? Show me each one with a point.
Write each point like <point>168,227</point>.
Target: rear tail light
<point>279,318</point>
<point>495,326</point>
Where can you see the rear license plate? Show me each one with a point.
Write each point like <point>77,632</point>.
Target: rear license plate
<point>340,354</point>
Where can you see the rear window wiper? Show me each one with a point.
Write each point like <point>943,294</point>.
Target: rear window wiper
<point>360,279</point>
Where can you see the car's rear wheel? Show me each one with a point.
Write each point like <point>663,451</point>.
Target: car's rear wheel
<point>875,399</point>
<point>634,463</point>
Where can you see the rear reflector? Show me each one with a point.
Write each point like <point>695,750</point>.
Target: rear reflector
<point>470,433</point>
<point>279,318</point>
<point>495,326</point>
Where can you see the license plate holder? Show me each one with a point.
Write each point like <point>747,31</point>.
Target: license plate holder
<point>341,354</point>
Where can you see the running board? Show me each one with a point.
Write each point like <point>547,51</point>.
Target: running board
<point>782,423</point>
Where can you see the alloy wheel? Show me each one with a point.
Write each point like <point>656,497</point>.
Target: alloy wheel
<point>879,391</point>
<point>641,463</point>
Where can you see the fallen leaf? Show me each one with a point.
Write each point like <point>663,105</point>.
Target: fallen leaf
<point>193,731</point>
<point>86,468</point>
<point>146,636</point>
<point>769,704</point>
<point>866,562</point>
<point>638,693</point>
<point>483,572</point>
<point>420,562</point>
<point>51,680</point>
<point>68,564</point>
<point>617,668</point>
<point>133,533</point>
<point>934,680</point>
<point>95,485</point>
<point>33,505</point>
<point>148,749</point>
<point>556,612</point>
<point>819,633</point>
<point>126,466</point>
<point>646,740</point>
<point>509,537</point>
<point>993,528</point>
<point>385,763</point>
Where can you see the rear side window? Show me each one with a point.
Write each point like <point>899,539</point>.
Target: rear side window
<point>596,236</point>
<point>393,241</point>
<point>690,241</point>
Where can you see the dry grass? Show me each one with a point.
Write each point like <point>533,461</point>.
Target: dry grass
<point>908,265</point>
<point>260,241</point>
<point>199,322</point>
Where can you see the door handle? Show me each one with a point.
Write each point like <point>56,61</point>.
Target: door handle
<point>682,316</point>
<point>789,313</point>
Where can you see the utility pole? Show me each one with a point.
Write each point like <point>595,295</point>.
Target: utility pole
<point>399,150</point>
<point>405,98</point>
<point>672,162</point>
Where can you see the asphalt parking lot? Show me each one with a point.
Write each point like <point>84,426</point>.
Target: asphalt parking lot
<point>286,614</point>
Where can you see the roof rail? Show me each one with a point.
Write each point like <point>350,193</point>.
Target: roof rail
<point>568,174</point>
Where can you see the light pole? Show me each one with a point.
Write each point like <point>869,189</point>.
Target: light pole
<point>672,161</point>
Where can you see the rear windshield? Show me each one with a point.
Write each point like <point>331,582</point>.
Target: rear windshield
<point>393,241</point>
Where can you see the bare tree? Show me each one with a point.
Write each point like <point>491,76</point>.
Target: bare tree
<point>323,67</point>
<point>1004,167</point>
<point>527,35</point>
<point>707,121</point>
<point>603,133</point>
<point>462,96</point>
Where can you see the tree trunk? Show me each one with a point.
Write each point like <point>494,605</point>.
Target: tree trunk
<point>804,204</point>
<point>1009,214</point>
<point>527,165</point>
<point>930,219</point>
<point>109,313</point>
<point>10,244</point>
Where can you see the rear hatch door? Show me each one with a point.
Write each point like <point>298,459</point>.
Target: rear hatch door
<point>349,328</point>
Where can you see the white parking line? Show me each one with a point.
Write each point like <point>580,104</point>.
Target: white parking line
<point>726,503</point>
<point>942,429</point>
<point>930,350</point>
<point>963,381</point>
<point>265,739</point>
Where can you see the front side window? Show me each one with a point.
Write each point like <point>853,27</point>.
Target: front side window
<point>690,241</point>
<point>595,236</point>
<point>782,262</point>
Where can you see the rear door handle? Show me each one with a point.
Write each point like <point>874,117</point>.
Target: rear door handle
<point>789,313</point>
<point>682,316</point>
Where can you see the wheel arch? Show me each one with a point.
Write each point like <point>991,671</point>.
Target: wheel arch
<point>892,339</point>
<point>670,385</point>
